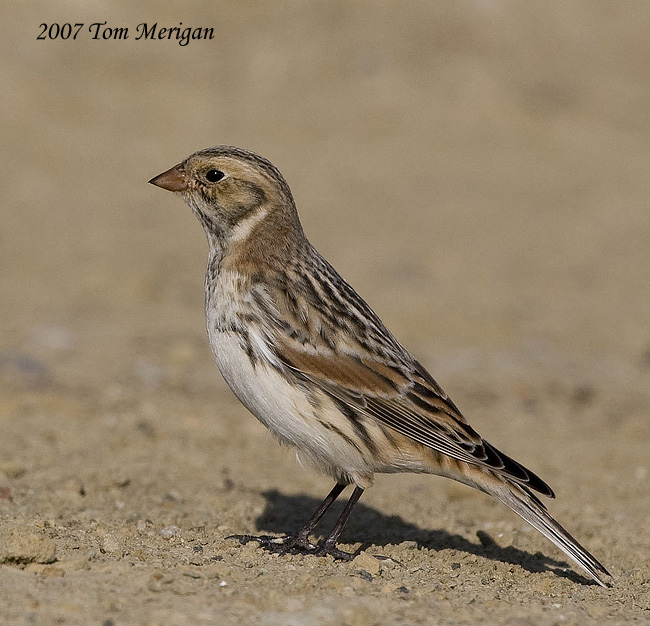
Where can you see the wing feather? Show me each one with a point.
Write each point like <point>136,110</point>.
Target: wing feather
<point>404,398</point>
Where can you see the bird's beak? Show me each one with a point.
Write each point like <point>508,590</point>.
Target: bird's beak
<point>171,180</point>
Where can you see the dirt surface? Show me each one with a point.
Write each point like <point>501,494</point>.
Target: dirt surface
<point>477,170</point>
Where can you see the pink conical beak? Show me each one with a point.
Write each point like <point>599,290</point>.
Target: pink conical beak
<point>171,180</point>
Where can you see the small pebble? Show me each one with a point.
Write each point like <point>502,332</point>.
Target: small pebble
<point>169,533</point>
<point>367,562</point>
<point>23,545</point>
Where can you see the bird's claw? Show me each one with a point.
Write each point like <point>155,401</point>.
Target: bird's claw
<point>294,544</point>
<point>290,544</point>
<point>335,553</point>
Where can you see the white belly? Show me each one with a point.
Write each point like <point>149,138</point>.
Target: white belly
<point>260,389</point>
<point>286,411</point>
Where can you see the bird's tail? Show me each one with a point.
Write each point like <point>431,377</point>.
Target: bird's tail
<point>531,509</point>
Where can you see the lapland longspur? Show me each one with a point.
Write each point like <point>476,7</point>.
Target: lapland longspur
<point>314,363</point>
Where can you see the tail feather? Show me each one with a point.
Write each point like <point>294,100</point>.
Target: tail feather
<point>533,511</point>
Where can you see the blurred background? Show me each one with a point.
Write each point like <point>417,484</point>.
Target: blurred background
<point>478,170</point>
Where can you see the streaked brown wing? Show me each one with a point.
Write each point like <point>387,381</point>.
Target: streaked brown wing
<point>405,398</point>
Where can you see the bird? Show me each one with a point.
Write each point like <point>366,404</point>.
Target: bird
<point>309,358</point>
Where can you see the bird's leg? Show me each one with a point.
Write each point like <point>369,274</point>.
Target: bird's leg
<point>329,545</point>
<point>300,539</point>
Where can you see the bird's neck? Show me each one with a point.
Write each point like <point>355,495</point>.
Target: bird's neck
<point>270,238</point>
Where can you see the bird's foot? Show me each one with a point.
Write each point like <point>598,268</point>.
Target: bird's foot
<point>295,544</point>
<point>334,552</point>
<point>291,544</point>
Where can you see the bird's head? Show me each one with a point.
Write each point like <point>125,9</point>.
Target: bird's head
<point>231,190</point>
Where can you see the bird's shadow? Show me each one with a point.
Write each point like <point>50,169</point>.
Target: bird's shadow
<point>284,514</point>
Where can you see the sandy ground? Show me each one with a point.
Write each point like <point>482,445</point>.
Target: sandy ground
<point>478,170</point>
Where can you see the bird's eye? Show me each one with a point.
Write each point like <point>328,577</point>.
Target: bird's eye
<point>214,176</point>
